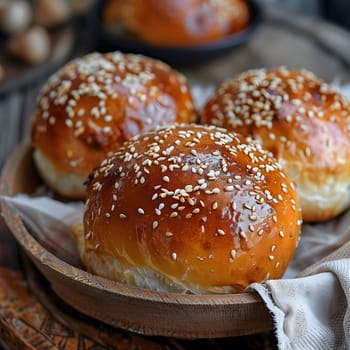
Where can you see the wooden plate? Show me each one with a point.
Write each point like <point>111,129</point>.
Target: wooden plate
<point>34,318</point>
<point>119,305</point>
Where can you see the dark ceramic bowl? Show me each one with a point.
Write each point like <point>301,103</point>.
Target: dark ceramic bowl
<point>110,40</point>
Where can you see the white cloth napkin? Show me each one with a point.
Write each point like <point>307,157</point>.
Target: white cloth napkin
<point>310,306</point>
<point>312,310</point>
<point>50,222</point>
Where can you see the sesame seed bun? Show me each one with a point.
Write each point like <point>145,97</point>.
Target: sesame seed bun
<point>179,23</point>
<point>95,103</point>
<point>189,208</point>
<point>303,121</point>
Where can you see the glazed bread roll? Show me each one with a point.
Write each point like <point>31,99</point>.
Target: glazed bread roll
<point>179,23</point>
<point>303,121</point>
<point>95,103</point>
<point>189,208</point>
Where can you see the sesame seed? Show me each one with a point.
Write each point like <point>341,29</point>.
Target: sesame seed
<point>267,276</point>
<point>271,257</point>
<point>140,211</point>
<point>168,234</point>
<point>253,217</point>
<point>221,232</point>
<point>214,205</point>
<point>122,216</point>
<point>174,256</point>
<point>155,224</point>
<point>68,123</point>
<point>247,206</point>
<point>281,233</point>
<point>189,188</point>
<point>233,254</point>
<point>243,235</point>
<point>174,214</point>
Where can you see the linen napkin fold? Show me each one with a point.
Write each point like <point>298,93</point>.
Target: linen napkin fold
<point>311,310</point>
<point>310,306</point>
<point>50,223</point>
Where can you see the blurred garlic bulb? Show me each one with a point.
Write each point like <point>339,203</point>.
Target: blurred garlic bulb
<point>50,13</point>
<point>15,16</point>
<point>80,7</point>
<point>32,46</point>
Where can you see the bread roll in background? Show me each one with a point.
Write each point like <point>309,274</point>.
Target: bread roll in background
<point>189,208</point>
<point>93,104</point>
<point>303,121</point>
<point>179,23</point>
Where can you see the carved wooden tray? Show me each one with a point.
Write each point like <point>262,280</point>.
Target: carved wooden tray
<point>147,312</point>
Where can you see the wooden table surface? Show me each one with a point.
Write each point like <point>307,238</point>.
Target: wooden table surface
<point>283,39</point>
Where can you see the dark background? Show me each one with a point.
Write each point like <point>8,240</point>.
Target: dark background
<point>337,11</point>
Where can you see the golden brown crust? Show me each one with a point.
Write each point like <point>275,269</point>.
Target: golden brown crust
<point>196,205</point>
<point>303,121</point>
<point>177,23</point>
<point>93,104</point>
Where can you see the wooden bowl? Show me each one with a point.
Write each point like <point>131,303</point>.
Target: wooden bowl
<point>119,305</point>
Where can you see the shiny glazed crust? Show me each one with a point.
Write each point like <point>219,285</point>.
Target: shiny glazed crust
<point>189,208</point>
<point>95,103</point>
<point>303,121</point>
<point>179,23</point>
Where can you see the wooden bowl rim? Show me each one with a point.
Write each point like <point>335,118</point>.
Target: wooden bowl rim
<point>37,252</point>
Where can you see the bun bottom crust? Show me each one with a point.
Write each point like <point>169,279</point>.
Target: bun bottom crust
<point>65,184</point>
<point>141,276</point>
<point>322,196</point>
